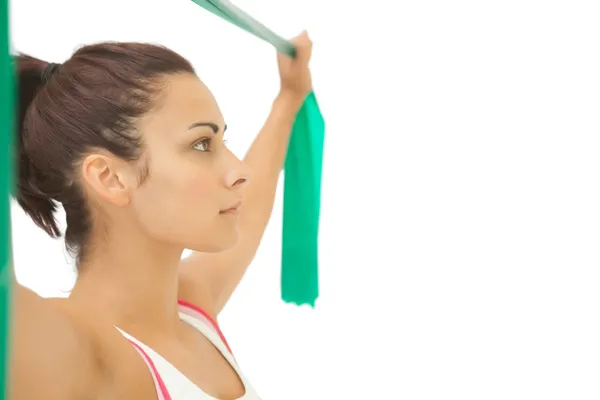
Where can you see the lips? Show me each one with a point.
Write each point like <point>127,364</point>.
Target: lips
<point>232,210</point>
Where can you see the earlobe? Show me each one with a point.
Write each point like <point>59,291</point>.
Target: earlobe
<point>107,178</point>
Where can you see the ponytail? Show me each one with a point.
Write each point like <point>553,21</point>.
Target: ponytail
<point>31,76</point>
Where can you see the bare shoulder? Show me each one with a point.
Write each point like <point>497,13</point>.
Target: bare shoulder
<point>48,348</point>
<point>121,371</point>
<point>70,355</point>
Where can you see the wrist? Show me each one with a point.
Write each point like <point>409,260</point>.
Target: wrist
<point>290,100</point>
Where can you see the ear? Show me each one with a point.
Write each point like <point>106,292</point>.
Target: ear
<point>110,178</point>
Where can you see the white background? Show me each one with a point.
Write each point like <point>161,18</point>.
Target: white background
<point>460,233</point>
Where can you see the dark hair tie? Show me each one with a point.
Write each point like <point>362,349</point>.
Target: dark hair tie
<point>48,71</point>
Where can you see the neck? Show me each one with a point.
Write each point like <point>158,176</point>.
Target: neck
<point>132,281</point>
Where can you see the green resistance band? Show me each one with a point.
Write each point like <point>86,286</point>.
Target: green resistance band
<point>302,174</point>
<point>6,179</point>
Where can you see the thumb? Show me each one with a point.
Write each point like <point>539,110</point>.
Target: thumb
<point>303,45</point>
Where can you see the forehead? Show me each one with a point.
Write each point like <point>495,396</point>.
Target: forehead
<point>184,100</point>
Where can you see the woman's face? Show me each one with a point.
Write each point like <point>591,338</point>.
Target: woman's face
<point>195,184</point>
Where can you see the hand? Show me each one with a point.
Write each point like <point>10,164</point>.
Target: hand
<point>296,82</point>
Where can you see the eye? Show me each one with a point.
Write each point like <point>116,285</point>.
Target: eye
<point>203,145</point>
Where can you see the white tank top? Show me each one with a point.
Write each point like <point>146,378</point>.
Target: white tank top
<point>169,382</point>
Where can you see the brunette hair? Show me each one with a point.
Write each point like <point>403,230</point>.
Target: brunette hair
<point>91,101</point>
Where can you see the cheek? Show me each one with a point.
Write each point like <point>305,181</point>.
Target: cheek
<point>196,197</point>
<point>170,203</point>
<point>183,181</point>
<point>198,187</point>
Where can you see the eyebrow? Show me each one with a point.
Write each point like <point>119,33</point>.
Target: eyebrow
<point>211,125</point>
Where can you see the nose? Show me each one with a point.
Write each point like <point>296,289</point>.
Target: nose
<point>239,176</point>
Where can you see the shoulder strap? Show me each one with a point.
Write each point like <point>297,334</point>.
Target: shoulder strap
<point>198,314</point>
<point>161,388</point>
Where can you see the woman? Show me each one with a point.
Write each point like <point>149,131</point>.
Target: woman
<point>130,141</point>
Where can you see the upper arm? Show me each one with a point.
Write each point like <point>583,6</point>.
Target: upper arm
<point>50,357</point>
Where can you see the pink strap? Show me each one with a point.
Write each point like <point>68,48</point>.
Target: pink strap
<point>161,389</point>
<point>196,312</point>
